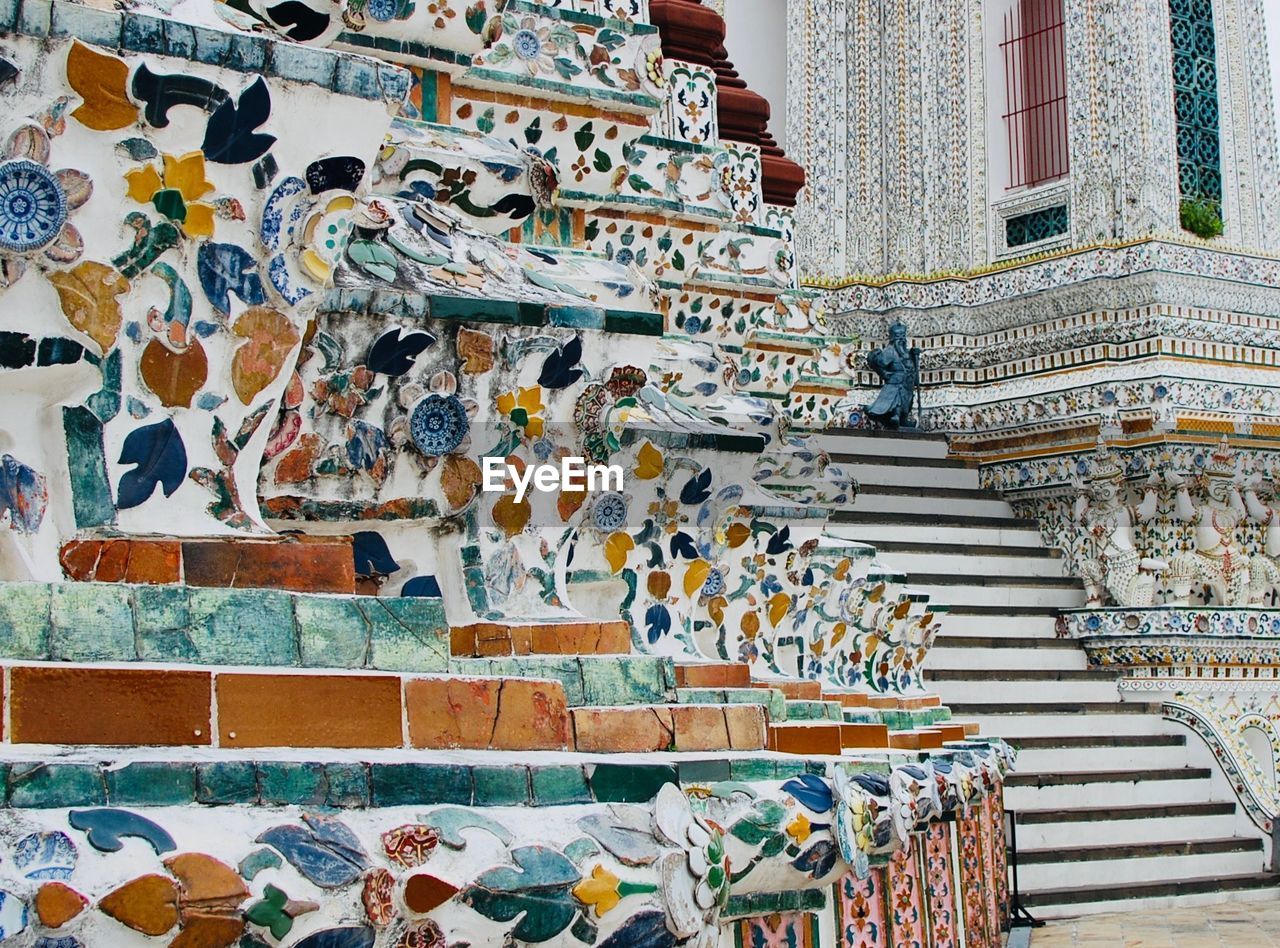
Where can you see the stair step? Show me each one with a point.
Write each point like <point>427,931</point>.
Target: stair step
<point>99,705</point>
<point>1081,895</point>
<point>1024,674</point>
<point>1011,725</point>
<point>587,679</point>
<point>977,660</point>
<point>1140,869</point>
<point>771,699</point>
<point>918,739</point>
<point>713,675</point>
<point>1070,759</point>
<point>990,566</point>
<point>1042,626</point>
<point>1098,752</point>
<point>889,499</point>
<point>1106,776</point>
<point>497,639</point>
<point>1018,705</point>
<point>793,689</point>
<point>932,531</point>
<point>912,490</point>
<point>1006,611</point>
<point>1035,694</point>
<point>1092,815</point>
<point>934,520</point>
<point>1011,642</point>
<point>646,729</point>
<point>866,736</point>
<point>891,460</point>
<point>814,711</point>
<point>963,549</point>
<point>1095,823</point>
<point>296,562</point>
<point>193,625</point>
<point>1063,791</point>
<point>1230,844</point>
<point>806,738</point>
<point>952,579</point>
<point>1003,598</point>
<point>1099,740</point>
<point>881,444</point>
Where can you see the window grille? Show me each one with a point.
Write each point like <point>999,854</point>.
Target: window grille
<point>1035,226</point>
<point>1195,98</point>
<point>1035,92</point>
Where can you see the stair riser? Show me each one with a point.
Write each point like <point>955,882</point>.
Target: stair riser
<point>1048,596</point>
<point>1060,725</point>
<point>973,565</point>
<point>932,533</point>
<point>1067,796</point>
<point>1078,759</point>
<point>1152,905</point>
<point>871,502</point>
<point>1130,871</point>
<point>933,448</point>
<point>906,476</point>
<point>1023,693</point>
<point>1011,659</point>
<point>1122,832</point>
<point>1011,626</point>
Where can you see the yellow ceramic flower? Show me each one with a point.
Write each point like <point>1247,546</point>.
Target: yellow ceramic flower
<point>600,891</point>
<point>524,409</point>
<point>800,829</point>
<point>176,191</point>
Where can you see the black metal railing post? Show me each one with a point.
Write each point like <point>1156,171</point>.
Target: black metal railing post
<point>1019,917</point>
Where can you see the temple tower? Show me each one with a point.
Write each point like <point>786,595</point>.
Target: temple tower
<point>962,133</point>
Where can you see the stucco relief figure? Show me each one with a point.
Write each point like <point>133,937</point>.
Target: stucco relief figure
<point>1233,578</point>
<point>1265,575</point>
<point>1116,568</point>
<point>898,366</point>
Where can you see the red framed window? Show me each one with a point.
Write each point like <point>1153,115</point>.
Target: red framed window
<point>1035,75</point>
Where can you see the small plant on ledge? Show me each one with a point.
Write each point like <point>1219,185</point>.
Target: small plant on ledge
<point>1201,218</point>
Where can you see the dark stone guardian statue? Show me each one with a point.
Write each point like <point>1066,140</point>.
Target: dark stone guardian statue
<point>899,369</point>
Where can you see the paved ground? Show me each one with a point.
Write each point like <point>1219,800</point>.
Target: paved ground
<point>1226,925</point>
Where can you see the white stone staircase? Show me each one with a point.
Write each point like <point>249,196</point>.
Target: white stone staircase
<point>1116,807</point>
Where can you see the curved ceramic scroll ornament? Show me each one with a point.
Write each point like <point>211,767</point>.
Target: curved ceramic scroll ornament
<point>695,877</point>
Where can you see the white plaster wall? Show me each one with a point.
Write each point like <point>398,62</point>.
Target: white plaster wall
<point>757,44</point>
<point>994,80</point>
<point>1271,14</point>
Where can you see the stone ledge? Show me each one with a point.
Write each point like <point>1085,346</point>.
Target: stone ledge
<point>388,301</point>
<point>500,639</point>
<point>83,622</point>
<point>298,563</point>
<point>1234,622</point>
<point>384,779</point>
<point>343,73</point>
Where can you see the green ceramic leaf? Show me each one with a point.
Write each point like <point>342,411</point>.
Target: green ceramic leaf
<point>430,259</point>
<point>539,888</point>
<point>747,831</point>
<point>602,160</point>
<point>374,258</point>
<point>449,822</point>
<point>584,136</point>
